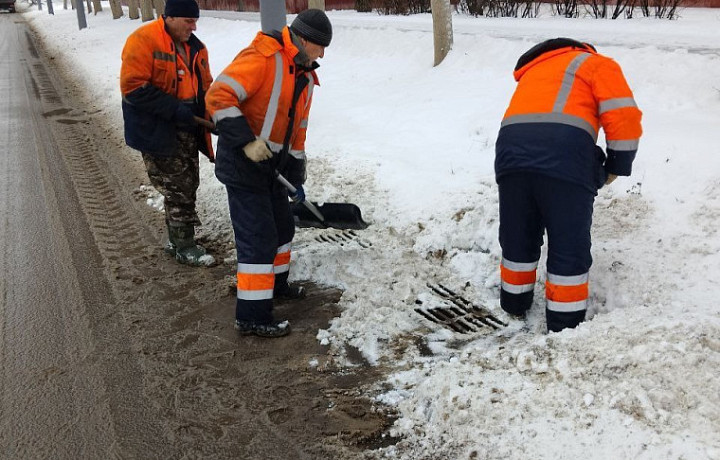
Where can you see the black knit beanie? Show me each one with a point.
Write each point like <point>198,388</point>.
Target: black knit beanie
<point>314,26</point>
<point>182,9</point>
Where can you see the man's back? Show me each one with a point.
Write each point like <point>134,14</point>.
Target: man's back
<point>553,119</point>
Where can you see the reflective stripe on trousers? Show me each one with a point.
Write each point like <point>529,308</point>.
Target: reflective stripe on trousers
<point>566,293</point>
<point>518,277</point>
<point>255,281</point>
<point>282,259</point>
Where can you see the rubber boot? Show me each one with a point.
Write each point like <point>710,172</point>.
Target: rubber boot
<point>169,245</point>
<point>183,246</point>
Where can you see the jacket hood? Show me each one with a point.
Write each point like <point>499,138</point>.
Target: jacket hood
<point>268,44</point>
<point>546,50</point>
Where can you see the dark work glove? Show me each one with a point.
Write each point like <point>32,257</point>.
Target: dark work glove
<point>601,173</point>
<point>299,195</point>
<point>184,116</point>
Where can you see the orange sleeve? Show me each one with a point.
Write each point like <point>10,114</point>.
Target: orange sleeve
<point>241,80</point>
<point>619,115</point>
<point>137,62</point>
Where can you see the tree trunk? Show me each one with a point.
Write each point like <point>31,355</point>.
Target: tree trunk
<point>89,7</point>
<point>159,6</point>
<point>317,4</point>
<point>442,28</point>
<point>146,10</point>
<point>133,9</point>
<point>116,9</point>
<point>97,6</point>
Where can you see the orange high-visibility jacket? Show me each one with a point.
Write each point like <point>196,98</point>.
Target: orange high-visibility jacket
<point>252,98</point>
<point>566,92</point>
<point>154,103</point>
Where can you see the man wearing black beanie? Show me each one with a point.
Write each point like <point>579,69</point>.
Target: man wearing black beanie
<point>164,76</point>
<point>260,105</point>
<point>314,26</point>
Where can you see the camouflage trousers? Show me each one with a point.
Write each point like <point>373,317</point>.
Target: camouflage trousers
<point>177,179</point>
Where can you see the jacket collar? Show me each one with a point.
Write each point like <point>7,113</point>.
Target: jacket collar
<point>548,49</point>
<point>268,44</point>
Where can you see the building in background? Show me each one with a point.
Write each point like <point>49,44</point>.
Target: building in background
<point>292,6</point>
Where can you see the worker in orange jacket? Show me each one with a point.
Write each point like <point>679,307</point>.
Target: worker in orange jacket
<point>163,78</point>
<point>260,105</point>
<point>549,169</point>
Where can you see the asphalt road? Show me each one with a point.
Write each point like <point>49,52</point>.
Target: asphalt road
<point>61,361</point>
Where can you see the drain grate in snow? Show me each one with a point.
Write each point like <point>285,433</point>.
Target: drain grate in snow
<point>342,238</point>
<point>459,314</point>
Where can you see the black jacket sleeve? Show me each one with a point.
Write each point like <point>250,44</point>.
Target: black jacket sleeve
<point>153,100</point>
<point>235,132</point>
<point>295,170</point>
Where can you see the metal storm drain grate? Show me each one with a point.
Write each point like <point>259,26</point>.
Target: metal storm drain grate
<point>342,238</point>
<point>459,314</point>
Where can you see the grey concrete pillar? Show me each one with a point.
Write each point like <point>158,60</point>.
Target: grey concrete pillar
<point>272,15</point>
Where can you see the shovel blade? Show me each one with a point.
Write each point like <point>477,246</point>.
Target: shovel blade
<point>343,216</point>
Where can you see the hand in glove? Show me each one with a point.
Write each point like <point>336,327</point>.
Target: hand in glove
<point>610,179</point>
<point>257,150</point>
<point>298,196</point>
<point>184,116</point>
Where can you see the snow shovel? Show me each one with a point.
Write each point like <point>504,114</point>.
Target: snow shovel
<point>343,216</point>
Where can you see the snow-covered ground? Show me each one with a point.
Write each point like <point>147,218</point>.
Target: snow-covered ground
<point>413,146</point>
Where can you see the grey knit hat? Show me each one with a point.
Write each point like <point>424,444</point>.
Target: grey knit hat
<point>314,26</point>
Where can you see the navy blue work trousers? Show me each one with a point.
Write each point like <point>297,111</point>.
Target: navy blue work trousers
<point>531,204</point>
<point>262,223</point>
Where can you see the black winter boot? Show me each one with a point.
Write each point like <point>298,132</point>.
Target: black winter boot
<point>289,292</point>
<point>182,245</point>
<point>274,329</point>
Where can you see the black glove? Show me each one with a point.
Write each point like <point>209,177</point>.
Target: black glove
<point>601,174</point>
<point>184,116</point>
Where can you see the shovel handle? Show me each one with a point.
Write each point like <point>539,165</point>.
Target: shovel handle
<point>204,123</point>
<point>291,188</point>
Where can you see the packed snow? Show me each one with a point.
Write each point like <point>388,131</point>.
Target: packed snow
<point>413,146</point>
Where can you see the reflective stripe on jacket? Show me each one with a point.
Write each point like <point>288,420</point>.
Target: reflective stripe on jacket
<point>252,98</point>
<point>563,97</point>
<point>152,106</point>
